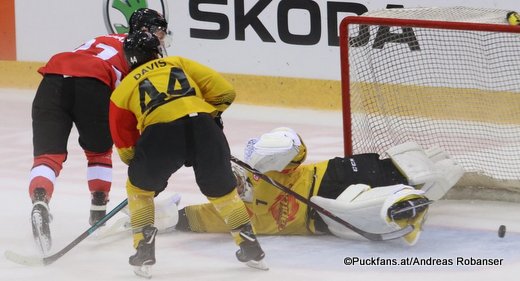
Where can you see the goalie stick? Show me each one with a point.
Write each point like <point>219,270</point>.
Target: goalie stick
<point>38,261</point>
<point>368,235</point>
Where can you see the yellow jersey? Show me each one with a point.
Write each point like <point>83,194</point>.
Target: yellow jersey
<point>272,211</point>
<point>161,91</point>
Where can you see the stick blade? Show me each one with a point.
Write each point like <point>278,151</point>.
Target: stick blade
<point>24,260</point>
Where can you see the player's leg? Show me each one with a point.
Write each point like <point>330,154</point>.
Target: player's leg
<point>158,154</point>
<point>215,178</point>
<point>51,125</point>
<point>90,113</point>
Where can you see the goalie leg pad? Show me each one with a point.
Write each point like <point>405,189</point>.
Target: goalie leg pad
<point>413,162</point>
<point>436,154</point>
<point>447,175</point>
<point>431,170</point>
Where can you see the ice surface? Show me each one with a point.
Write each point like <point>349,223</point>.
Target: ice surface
<point>465,229</point>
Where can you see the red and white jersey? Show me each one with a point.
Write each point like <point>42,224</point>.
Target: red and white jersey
<point>101,58</point>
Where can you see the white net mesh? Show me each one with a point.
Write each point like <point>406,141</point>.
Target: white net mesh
<point>457,89</point>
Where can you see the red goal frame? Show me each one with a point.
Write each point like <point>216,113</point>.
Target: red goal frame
<point>344,53</point>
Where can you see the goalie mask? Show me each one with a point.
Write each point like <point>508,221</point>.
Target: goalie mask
<point>280,150</point>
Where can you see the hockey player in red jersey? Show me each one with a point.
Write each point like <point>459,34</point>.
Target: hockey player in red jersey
<point>75,90</point>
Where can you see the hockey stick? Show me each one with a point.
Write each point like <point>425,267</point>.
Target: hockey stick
<point>38,261</point>
<point>370,236</point>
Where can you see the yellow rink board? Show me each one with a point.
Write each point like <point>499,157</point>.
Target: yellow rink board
<point>400,100</point>
<point>251,89</point>
<point>437,103</point>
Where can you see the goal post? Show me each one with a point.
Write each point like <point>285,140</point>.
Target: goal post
<point>446,77</point>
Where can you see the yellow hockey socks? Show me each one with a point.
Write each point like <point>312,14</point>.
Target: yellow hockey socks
<point>141,208</point>
<point>233,211</point>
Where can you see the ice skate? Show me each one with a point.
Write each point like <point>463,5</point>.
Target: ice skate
<point>40,219</point>
<point>250,251</point>
<point>98,207</point>
<point>144,258</point>
<point>410,210</point>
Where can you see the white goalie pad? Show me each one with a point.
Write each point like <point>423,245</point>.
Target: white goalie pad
<point>167,213</point>
<point>448,174</point>
<point>432,170</point>
<point>364,207</point>
<point>411,159</point>
<point>166,218</point>
<point>272,151</point>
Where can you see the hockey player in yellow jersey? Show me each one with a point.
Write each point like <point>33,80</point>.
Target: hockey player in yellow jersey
<point>166,114</point>
<point>361,189</point>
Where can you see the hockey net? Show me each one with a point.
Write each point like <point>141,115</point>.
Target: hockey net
<point>447,77</point>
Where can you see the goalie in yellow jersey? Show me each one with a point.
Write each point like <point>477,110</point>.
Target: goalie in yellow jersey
<point>166,114</point>
<point>362,189</point>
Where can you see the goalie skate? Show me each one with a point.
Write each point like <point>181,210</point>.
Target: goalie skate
<point>410,210</point>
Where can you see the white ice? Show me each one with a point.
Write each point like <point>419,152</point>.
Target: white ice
<point>465,229</point>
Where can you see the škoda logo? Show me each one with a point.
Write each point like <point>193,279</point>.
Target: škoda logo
<point>118,12</point>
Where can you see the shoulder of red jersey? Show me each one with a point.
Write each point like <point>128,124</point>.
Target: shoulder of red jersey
<point>118,37</point>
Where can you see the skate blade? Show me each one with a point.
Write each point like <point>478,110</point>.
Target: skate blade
<point>43,245</point>
<point>257,265</point>
<point>144,271</point>
<point>43,242</point>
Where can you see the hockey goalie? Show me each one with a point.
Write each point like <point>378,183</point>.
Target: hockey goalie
<point>374,194</point>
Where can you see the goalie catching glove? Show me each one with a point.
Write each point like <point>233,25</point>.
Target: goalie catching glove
<point>376,210</point>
